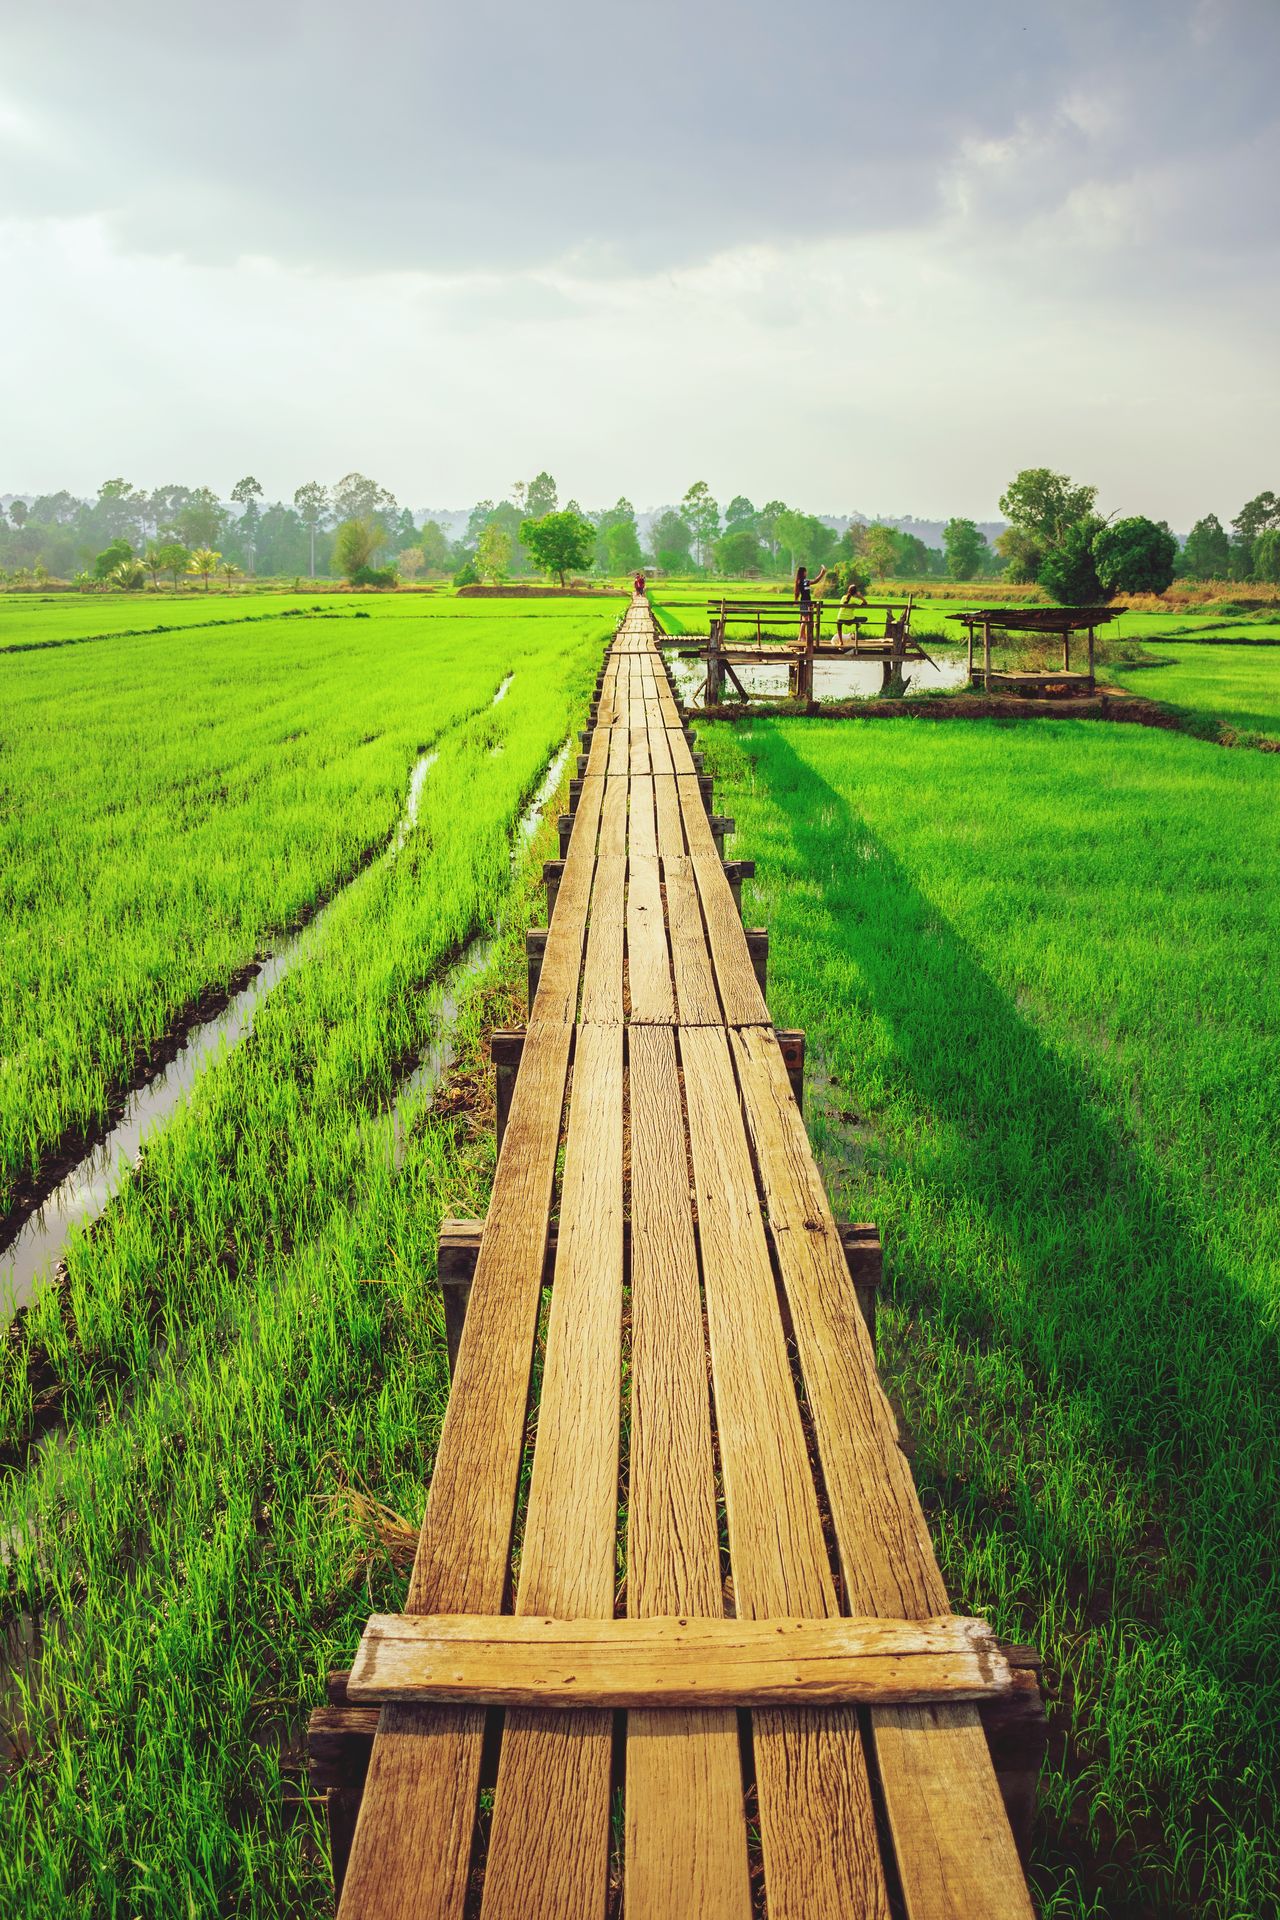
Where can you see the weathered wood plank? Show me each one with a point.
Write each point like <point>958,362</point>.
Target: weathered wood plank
<point>740,995</point>
<point>677,1661</point>
<point>817,1820</point>
<point>602,972</point>
<point>642,833</point>
<point>686,1840</point>
<point>549,1846</point>
<point>412,1847</point>
<point>956,1853</point>
<point>648,961</point>
<point>690,955</point>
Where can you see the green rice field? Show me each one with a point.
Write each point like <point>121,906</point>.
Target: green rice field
<point>248,1340</point>
<point>1036,965</point>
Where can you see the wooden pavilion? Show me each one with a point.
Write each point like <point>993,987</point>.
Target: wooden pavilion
<point>1030,622</point>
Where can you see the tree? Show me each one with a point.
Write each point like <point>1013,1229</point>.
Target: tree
<point>128,575</point>
<point>246,493</point>
<point>739,515</point>
<point>118,510</point>
<point>559,541</point>
<point>229,569</point>
<point>435,547</point>
<point>880,549</point>
<point>1256,516</point>
<point>201,520</point>
<point>804,539</point>
<point>617,539</point>
<point>1068,572</point>
<point>154,561</point>
<point>355,545</point>
<point>672,539</point>
<point>1266,556</point>
<point>110,558</point>
<point>540,497</point>
<point>737,551</point>
<point>1207,553</point>
<point>356,497</point>
<point>1023,557</point>
<point>965,546</point>
<point>1135,556</point>
<point>702,516</point>
<point>18,512</point>
<point>174,558</point>
<point>164,506</point>
<point>410,561</point>
<point>204,561</point>
<point>1046,505</point>
<point>767,524</point>
<point>493,553</point>
<point>312,502</point>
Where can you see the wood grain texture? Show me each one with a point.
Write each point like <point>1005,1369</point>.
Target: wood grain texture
<point>696,994</point>
<point>557,996</point>
<point>648,961</point>
<point>686,1840</point>
<point>817,1821</point>
<point>412,1846</point>
<point>736,981</point>
<point>602,972</point>
<point>549,1846</point>
<point>642,832</point>
<point>956,1853</point>
<point>674,1661</point>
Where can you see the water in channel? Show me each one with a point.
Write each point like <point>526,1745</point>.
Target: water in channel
<point>86,1191</point>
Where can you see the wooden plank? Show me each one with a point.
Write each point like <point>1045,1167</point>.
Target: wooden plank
<point>659,743</point>
<point>740,994</point>
<point>602,971</point>
<point>557,995</point>
<point>648,961</point>
<point>686,1840</point>
<point>549,1845</point>
<point>619,752</point>
<point>817,1820</point>
<point>642,835</point>
<point>412,1849</point>
<point>613,819</point>
<point>671,842</point>
<point>476,1659</point>
<point>696,993</point>
<point>956,1854</point>
<point>694,815</point>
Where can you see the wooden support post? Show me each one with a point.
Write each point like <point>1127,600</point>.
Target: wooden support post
<point>971,653</point>
<point>864,1258</point>
<point>697,759</point>
<point>535,945</point>
<point>1066,649</point>
<point>456,1253</point>
<point>582,764</point>
<point>791,1047</point>
<point>552,875</point>
<point>1091,677</point>
<point>758,947</point>
<point>506,1045</point>
<point>575,793</point>
<point>706,786</point>
<point>584,739</point>
<point>564,826</point>
<point>720,824</point>
<point>986,656</point>
<point>1017,1731</point>
<point>736,871</point>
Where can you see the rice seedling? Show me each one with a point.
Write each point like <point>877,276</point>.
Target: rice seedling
<point>1036,967</point>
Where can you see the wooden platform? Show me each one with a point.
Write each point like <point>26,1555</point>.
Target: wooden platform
<point>711,1440</point>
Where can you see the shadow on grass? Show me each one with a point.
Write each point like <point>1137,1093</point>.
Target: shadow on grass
<point>1102,1294</point>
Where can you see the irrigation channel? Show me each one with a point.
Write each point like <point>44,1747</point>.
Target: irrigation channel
<point>84,1194</point>
<point>832,679</point>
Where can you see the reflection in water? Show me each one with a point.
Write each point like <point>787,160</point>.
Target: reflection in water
<point>86,1190</point>
<point>832,679</point>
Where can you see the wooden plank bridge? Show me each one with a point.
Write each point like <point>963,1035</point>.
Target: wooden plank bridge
<point>716,1467</point>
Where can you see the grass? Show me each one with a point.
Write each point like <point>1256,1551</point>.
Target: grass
<point>248,1335</point>
<point>1036,967</point>
<point>168,804</point>
<point>1236,686</point>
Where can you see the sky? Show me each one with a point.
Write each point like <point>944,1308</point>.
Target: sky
<point>859,257</point>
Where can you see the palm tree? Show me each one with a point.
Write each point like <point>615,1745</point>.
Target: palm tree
<point>128,575</point>
<point>204,561</point>
<point>154,561</point>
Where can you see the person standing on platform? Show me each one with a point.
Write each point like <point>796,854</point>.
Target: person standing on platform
<point>804,597</point>
<point>640,586</point>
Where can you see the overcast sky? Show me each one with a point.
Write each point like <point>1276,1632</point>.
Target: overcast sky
<point>871,257</point>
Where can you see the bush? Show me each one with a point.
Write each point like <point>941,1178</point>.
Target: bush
<point>1135,556</point>
<point>375,577</point>
<point>1068,572</point>
<point>466,576</point>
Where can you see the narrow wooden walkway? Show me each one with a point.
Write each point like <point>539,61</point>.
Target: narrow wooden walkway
<point>693,1241</point>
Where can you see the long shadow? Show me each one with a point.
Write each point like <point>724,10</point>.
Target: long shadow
<point>1105,1294</point>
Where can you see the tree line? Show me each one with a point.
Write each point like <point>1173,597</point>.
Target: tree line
<point>356,530</point>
